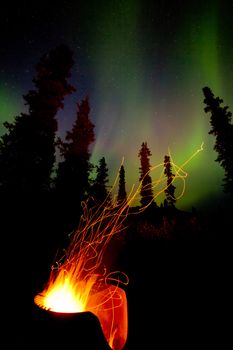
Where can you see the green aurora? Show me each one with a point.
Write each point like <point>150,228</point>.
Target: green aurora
<point>166,110</point>
<point>147,69</point>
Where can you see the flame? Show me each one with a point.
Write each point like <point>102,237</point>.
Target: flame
<point>78,282</point>
<point>106,301</point>
<point>64,295</point>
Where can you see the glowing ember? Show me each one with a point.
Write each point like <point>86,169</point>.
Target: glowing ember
<point>79,283</point>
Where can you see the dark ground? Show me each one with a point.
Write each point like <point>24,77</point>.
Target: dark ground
<point>178,296</point>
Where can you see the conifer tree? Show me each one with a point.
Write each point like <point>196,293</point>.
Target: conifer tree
<point>222,129</point>
<point>27,149</point>
<point>170,189</point>
<point>27,157</point>
<point>145,178</point>
<point>72,181</point>
<point>122,195</point>
<point>73,172</point>
<point>99,187</point>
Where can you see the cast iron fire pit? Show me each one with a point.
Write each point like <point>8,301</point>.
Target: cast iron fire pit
<point>54,330</point>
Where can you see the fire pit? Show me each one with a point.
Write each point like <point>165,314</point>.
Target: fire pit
<point>104,325</point>
<point>54,330</point>
<point>81,302</point>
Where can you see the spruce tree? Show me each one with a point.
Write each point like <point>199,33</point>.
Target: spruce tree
<point>146,191</point>
<point>170,189</point>
<point>222,129</point>
<point>72,181</point>
<point>99,188</point>
<point>27,149</point>
<point>27,156</point>
<point>122,195</point>
<point>73,171</point>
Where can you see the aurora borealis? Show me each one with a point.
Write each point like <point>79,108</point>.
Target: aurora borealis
<point>143,65</point>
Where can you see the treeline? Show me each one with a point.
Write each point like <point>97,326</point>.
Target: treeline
<point>29,174</point>
<point>32,184</point>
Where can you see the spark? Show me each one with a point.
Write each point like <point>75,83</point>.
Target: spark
<point>79,282</point>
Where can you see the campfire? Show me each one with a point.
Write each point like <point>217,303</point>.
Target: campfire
<point>79,282</point>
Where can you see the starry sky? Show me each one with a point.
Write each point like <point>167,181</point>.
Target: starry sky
<point>143,65</point>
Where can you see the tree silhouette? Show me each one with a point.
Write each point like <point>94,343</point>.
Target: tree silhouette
<point>72,182</point>
<point>146,181</point>
<point>170,189</point>
<point>122,195</point>
<point>99,188</point>
<point>222,129</point>
<point>27,156</point>
<point>27,149</point>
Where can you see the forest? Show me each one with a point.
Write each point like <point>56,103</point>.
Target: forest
<point>48,185</point>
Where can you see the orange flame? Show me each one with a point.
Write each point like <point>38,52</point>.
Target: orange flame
<point>76,282</point>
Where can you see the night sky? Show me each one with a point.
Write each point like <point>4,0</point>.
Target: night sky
<point>143,65</point>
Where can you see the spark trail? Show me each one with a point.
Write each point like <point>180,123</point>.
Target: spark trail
<point>79,282</point>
